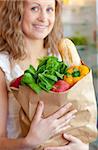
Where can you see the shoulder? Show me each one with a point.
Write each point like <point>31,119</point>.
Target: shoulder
<point>4,59</point>
<point>5,63</point>
<point>9,67</point>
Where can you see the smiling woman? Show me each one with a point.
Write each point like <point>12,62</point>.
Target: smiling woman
<point>38,19</point>
<point>28,28</point>
<point>16,13</point>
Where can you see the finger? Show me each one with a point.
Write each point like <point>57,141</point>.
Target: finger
<point>70,115</point>
<point>71,138</point>
<point>65,122</point>
<point>59,127</point>
<point>62,129</point>
<point>39,111</point>
<point>57,148</point>
<point>61,111</point>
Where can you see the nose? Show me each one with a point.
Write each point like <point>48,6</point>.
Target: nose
<point>43,16</point>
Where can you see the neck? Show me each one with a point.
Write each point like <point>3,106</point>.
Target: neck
<point>33,46</point>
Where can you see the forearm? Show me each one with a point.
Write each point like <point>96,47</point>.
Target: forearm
<point>16,144</point>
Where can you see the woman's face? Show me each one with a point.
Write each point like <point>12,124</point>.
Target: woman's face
<point>38,19</point>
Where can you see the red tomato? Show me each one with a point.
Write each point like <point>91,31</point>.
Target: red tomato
<point>60,86</point>
<point>15,83</point>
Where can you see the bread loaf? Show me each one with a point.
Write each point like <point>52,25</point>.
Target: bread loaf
<point>69,52</point>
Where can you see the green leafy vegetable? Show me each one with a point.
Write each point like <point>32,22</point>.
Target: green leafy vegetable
<point>49,71</point>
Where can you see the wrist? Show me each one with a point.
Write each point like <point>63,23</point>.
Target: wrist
<point>30,144</point>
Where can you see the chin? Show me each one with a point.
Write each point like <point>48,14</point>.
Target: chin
<point>40,36</point>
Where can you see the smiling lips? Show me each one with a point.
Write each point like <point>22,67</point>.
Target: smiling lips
<point>40,27</point>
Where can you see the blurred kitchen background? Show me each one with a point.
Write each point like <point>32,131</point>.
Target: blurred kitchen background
<point>80,20</point>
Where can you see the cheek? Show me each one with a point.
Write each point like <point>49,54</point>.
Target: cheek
<point>52,20</point>
<point>26,22</point>
<point>23,24</point>
<point>25,27</point>
<point>27,17</point>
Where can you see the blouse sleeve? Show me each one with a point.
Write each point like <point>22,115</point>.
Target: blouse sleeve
<point>10,72</point>
<point>5,65</point>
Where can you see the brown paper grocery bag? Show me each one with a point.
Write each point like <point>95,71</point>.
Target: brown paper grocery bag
<point>81,95</point>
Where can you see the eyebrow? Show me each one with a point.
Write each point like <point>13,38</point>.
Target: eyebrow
<point>34,3</point>
<point>31,3</point>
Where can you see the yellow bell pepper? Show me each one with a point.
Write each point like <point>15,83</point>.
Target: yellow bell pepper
<point>76,79</point>
<point>75,73</point>
<point>69,80</point>
<point>84,69</point>
<point>70,70</point>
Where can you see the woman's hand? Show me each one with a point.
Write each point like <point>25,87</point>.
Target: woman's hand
<point>43,128</point>
<point>74,144</point>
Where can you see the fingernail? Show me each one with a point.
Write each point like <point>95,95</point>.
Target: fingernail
<point>73,117</point>
<point>69,104</point>
<point>40,102</point>
<point>65,135</point>
<point>46,149</point>
<point>75,110</point>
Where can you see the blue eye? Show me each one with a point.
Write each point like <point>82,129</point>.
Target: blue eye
<point>35,8</point>
<point>50,9</point>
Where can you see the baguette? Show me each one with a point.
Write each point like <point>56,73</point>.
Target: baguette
<point>69,52</point>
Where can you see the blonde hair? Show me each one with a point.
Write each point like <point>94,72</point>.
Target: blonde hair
<point>11,35</point>
<point>51,41</point>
